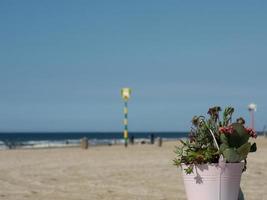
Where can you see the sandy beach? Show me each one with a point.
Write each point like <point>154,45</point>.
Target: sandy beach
<point>109,172</point>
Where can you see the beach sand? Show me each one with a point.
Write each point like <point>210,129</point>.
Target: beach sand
<point>109,172</point>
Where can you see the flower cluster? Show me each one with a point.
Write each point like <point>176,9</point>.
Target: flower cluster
<point>214,137</point>
<point>251,132</point>
<point>226,130</point>
<point>230,130</point>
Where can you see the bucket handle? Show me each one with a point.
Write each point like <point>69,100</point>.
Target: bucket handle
<point>221,159</point>
<point>215,141</point>
<point>222,163</point>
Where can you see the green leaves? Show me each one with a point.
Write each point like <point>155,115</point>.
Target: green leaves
<point>235,147</point>
<point>177,162</point>
<point>224,139</point>
<point>189,170</point>
<point>239,136</point>
<point>232,138</point>
<point>233,155</point>
<point>227,115</point>
<point>223,147</point>
<point>244,150</point>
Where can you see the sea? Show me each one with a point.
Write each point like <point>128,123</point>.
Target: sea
<point>35,140</point>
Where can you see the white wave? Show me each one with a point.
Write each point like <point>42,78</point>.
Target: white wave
<point>75,143</point>
<point>3,147</point>
<point>49,144</point>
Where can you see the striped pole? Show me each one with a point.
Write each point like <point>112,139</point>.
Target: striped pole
<point>125,94</point>
<point>125,122</point>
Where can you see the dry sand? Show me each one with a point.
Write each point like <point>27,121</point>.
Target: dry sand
<point>101,173</point>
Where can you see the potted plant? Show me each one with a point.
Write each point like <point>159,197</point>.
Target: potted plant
<point>214,156</point>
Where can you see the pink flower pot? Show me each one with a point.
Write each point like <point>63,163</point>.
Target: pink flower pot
<point>212,182</point>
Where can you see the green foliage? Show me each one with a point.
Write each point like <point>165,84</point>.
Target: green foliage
<point>227,116</point>
<point>243,150</point>
<point>189,170</point>
<point>200,148</point>
<point>235,146</point>
<point>231,155</point>
<point>239,136</point>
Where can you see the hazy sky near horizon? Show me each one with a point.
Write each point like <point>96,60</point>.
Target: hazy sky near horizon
<point>63,63</point>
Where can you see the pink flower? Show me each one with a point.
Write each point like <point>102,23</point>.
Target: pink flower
<point>251,132</point>
<point>226,130</point>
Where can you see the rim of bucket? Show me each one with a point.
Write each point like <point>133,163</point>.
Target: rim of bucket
<point>211,164</point>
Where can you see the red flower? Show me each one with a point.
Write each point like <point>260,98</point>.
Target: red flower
<point>226,130</point>
<point>251,132</point>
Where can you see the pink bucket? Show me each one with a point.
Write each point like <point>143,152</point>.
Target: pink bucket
<point>211,182</point>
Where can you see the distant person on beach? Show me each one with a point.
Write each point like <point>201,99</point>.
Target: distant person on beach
<point>132,139</point>
<point>152,138</point>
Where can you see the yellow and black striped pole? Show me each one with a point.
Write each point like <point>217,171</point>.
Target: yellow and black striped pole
<point>125,93</point>
<point>125,122</point>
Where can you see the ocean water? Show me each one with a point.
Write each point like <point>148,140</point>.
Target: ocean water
<point>46,140</point>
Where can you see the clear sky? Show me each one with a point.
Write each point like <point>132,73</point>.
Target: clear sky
<point>63,63</point>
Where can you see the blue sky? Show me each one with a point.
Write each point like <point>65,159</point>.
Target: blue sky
<point>63,63</point>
